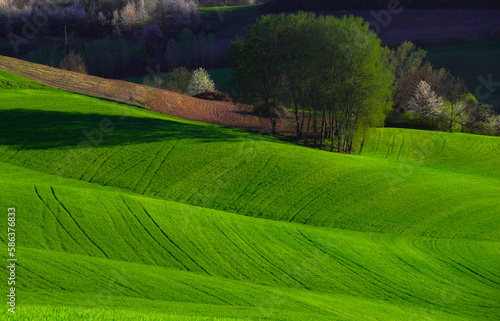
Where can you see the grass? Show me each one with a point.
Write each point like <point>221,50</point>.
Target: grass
<point>457,152</point>
<point>233,171</point>
<point>60,313</point>
<point>11,81</point>
<point>161,218</point>
<point>169,252</point>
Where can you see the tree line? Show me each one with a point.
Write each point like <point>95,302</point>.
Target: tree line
<point>337,80</point>
<point>331,73</point>
<point>434,99</point>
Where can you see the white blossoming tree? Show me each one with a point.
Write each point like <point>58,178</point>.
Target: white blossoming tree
<point>425,103</point>
<point>200,82</point>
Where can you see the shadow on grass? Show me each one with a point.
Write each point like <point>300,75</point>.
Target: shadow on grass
<point>29,129</point>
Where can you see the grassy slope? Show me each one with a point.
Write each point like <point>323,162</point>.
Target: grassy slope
<point>456,152</point>
<point>11,81</point>
<point>229,170</point>
<point>172,252</point>
<point>450,274</point>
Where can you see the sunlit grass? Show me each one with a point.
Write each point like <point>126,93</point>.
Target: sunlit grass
<point>126,214</point>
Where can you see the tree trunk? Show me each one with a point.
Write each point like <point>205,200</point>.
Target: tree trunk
<point>315,127</point>
<point>339,139</point>
<point>332,134</point>
<point>323,129</point>
<point>273,125</point>
<point>297,122</point>
<point>307,131</point>
<point>302,122</point>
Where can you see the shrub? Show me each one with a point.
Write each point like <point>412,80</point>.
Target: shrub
<point>200,82</point>
<point>179,79</point>
<point>156,81</point>
<point>477,117</point>
<point>74,62</point>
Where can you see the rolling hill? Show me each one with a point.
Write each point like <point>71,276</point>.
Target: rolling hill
<point>130,214</point>
<point>162,101</point>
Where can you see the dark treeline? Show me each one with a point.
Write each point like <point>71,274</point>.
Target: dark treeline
<point>293,5</point>
<point>114,38</point>
<point>116,57</point>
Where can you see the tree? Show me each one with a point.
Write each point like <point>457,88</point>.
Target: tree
<point>200,82</point>
<point>410,69</point>
<point>365,86</point>
<point>332,72</point>
<point>259,66</point>
<point>425,103</point>
<point>304,74</point>
<point>477,117</point>
<point>493,125</point>
<point>406,59</point>
<point>453,89</point>
<point>406,86</point>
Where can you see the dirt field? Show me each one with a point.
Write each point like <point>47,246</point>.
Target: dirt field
<point>163,101</point>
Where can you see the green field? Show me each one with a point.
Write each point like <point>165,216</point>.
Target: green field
<point>127,214</point>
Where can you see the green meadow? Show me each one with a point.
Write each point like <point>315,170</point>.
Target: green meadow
<point>127,214</point>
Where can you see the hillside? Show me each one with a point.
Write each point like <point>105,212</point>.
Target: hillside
<point>457,152</point>
<point>162,101</point>
<point>233,171</point>
<point>155,217</point>
<point>158,243</point>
